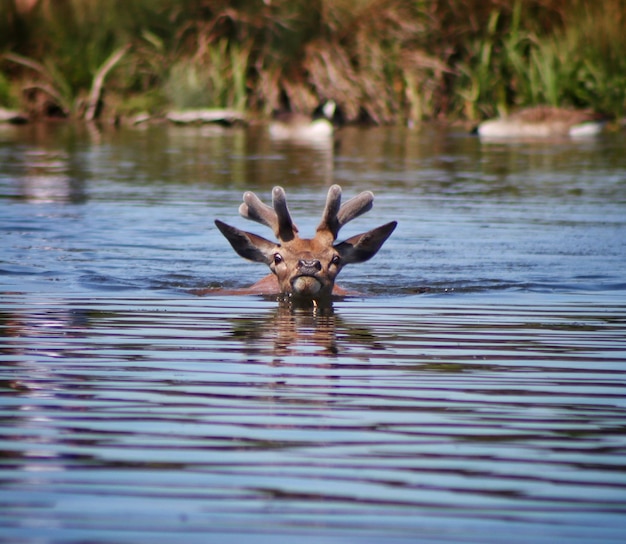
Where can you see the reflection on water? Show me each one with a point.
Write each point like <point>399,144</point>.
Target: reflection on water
<point>295,331</point>
<point>488,408</point>
<point>223,415</point>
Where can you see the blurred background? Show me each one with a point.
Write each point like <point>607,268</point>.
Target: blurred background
<point>383,61</point>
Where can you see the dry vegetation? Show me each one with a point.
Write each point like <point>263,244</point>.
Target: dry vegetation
<point>383,61</point>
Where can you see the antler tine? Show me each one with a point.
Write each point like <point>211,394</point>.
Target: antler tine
<point>356,206</point>
<point>336,215</point>
<point>329,220</point>
<point>286,230</point>
<point>254,209</point>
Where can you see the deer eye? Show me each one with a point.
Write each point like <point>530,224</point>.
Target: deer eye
<point>278,258</point>
<point>335,260</point>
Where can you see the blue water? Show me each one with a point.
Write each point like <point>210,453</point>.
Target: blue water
<point>473,392</point>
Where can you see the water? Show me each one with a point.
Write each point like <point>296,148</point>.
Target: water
<point>473,392</point>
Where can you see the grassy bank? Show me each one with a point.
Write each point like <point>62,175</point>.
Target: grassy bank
<point>383,61</point>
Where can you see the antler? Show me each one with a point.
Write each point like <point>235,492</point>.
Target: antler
<point>337,215</point>
<point>276,218</point>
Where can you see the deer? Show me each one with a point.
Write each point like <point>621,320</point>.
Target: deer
<point>304,268</point>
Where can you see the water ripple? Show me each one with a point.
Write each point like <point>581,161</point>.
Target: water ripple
<point>473,392</point>
<point>464,408</point>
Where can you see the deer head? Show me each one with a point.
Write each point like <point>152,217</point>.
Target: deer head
<point>306,267</point>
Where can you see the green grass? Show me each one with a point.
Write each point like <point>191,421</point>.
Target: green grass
<point>382,60</point>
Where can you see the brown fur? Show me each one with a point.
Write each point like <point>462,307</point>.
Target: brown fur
<point>304,267</point>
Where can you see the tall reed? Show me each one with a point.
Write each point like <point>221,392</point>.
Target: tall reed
<point>382,60</point>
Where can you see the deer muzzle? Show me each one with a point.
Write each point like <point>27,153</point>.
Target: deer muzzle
<point>307,282</point>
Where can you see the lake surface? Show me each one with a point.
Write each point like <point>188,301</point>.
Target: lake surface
<point>475,391</point>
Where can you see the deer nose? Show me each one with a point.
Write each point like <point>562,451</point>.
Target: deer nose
<point>309,265</point>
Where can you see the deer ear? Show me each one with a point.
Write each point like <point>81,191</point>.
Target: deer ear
<point>248,245</point>
<point>363,247</point>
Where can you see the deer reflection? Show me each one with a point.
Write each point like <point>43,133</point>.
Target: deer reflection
<point>297,329</point>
